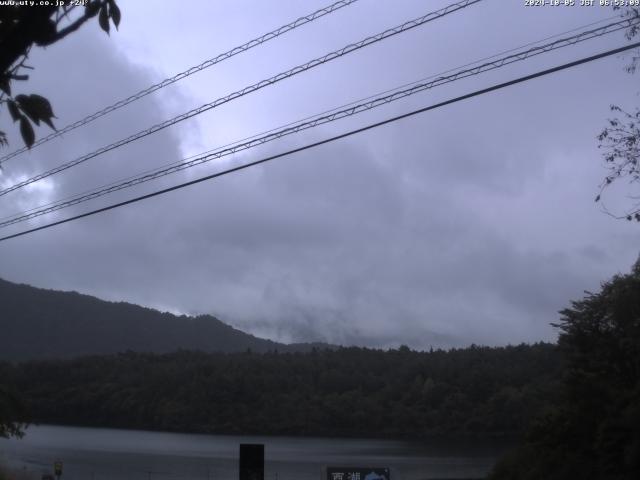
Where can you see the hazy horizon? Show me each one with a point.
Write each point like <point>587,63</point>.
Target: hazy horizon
<point>473,223</point>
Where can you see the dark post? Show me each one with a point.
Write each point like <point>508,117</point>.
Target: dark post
<point>57,468</point>
<point>251,461</point>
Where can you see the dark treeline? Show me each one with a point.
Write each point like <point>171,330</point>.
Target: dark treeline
<point>575,405</point>
<point>476,391</point>
<point>591,430</point>
<point>41,324</point>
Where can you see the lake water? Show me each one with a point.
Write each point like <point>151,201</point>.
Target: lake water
<point>107,454</point>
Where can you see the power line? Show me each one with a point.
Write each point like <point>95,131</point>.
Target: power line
<point>168,81</point>
<point>475,62</point>
<point>252,88</point>
<point>181,165</point>
<point>320,119</point>
<point>331,139</point>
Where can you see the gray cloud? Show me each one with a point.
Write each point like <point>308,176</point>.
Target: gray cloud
<point>473,223</point>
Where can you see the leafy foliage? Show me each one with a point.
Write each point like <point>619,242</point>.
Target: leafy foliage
<point>12,413</point>
<point>22,27</point>
<point>477,391</point>
<point>593,431</point>
<point>620,139</point>
<point>471,391</point>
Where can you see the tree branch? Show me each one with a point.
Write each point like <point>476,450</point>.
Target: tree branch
<point>60,34</point>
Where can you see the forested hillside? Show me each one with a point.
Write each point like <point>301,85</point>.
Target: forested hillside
<point>591,430</point>
<point>350,391</point>
<point>38,323</point>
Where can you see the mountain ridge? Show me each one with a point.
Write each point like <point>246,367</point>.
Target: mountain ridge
<point>40,323</point>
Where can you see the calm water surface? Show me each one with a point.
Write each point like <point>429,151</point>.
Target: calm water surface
<point>102,454</point>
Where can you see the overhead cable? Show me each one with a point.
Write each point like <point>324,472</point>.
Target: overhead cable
<point>330,139</point>
<point>168,81</point>
<point>320,119</point>
<point>252,88</point>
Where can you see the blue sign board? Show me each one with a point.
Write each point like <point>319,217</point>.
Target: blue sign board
<point>358,473</point>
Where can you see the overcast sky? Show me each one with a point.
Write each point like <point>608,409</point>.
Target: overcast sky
<point>470,223</point>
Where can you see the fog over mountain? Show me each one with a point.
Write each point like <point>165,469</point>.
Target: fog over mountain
<point>473,223</point>
<point>44,324</point>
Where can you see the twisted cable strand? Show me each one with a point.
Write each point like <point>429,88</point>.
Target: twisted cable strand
<point>323,119</point>
<point>206,64</point>
<point>252,88</point>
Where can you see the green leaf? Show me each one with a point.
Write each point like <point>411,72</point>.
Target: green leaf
<point>103,18</point>
<point>42,108</point>
<point>49,123</point>
<point>26,130</point>
<point>13,110</point>
<point>37,108</point>
<point>42,104</point>
<point>91,9</point>
<point>25,106</point>
<point>114,13</point>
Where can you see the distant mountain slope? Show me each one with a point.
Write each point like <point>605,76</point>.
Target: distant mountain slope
<point>39,323</point>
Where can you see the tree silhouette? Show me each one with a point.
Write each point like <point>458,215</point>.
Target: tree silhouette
<point>12,413</point>
<point>593,431</point>
<point>21,28</point>
<point>620,139</point>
